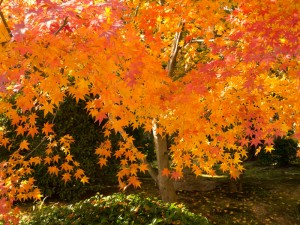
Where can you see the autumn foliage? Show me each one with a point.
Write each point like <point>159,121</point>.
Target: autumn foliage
<point>217,76</point>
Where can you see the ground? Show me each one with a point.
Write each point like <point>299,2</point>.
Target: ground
<point>270,196</point>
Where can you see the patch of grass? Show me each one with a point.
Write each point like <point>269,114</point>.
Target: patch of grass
<point>115,209</point>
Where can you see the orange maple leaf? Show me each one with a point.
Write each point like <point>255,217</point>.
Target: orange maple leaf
<point>32,131</point>
<point>53,170</point>
<point>106,133</point>
<point>36,194</point>
<point>298,153</point>
<point>119,153</point>
<point>21,130</point>
<point>69,158</point>
<point>48,108</point>
<point>47,160</point>
<point>234,173</point>
<point>84,179</point>
<point>56,158</point>
<point>143,167</point>
<point>134,181</point>
<point>103,152</point>
<point>5,142</point>
<point>32,118</point>
<point>24,145</point>
<point>133,169</point>
<point>79,173</point>
<point>165,172</point>
<point>76,163</point>
<point>35,160</point>
<point>47,128</point>
<point>102,161</point>
<point>66,167</point>
<point>66,177</point>
<point>176,175</point>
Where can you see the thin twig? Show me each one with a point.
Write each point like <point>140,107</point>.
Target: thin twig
<point>42,141</point>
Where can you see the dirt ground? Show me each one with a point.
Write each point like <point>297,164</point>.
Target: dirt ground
<point>270,196</point>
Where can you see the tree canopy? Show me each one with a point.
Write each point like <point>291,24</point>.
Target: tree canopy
<point>216,76</point>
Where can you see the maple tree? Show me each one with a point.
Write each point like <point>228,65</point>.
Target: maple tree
<point>218,76</point>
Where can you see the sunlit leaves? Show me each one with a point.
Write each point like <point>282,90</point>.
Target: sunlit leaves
<point>47,129</point>
<point>24,145</point>
<point>235,84</point>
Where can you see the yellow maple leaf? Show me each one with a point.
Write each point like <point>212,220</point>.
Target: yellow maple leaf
<point>84,179</point>
<point>269,148</point>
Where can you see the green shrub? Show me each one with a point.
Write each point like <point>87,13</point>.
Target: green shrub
<point>73,119</point>
<point>115,209</point>
<point>284,153</point>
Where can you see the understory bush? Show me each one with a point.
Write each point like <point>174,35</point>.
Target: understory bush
<point>115,209</point>
<point>284,153</point>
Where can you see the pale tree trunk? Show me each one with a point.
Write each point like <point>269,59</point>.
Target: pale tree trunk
<point>165,184</point>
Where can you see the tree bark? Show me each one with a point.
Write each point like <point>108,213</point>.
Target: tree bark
<point>236,185</point>
<point>165,184</point>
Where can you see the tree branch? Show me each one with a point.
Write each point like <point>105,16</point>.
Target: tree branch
<point>175,48</point>
<point>65,22</point>
<point>5,23</point>
<point>153,172</point>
